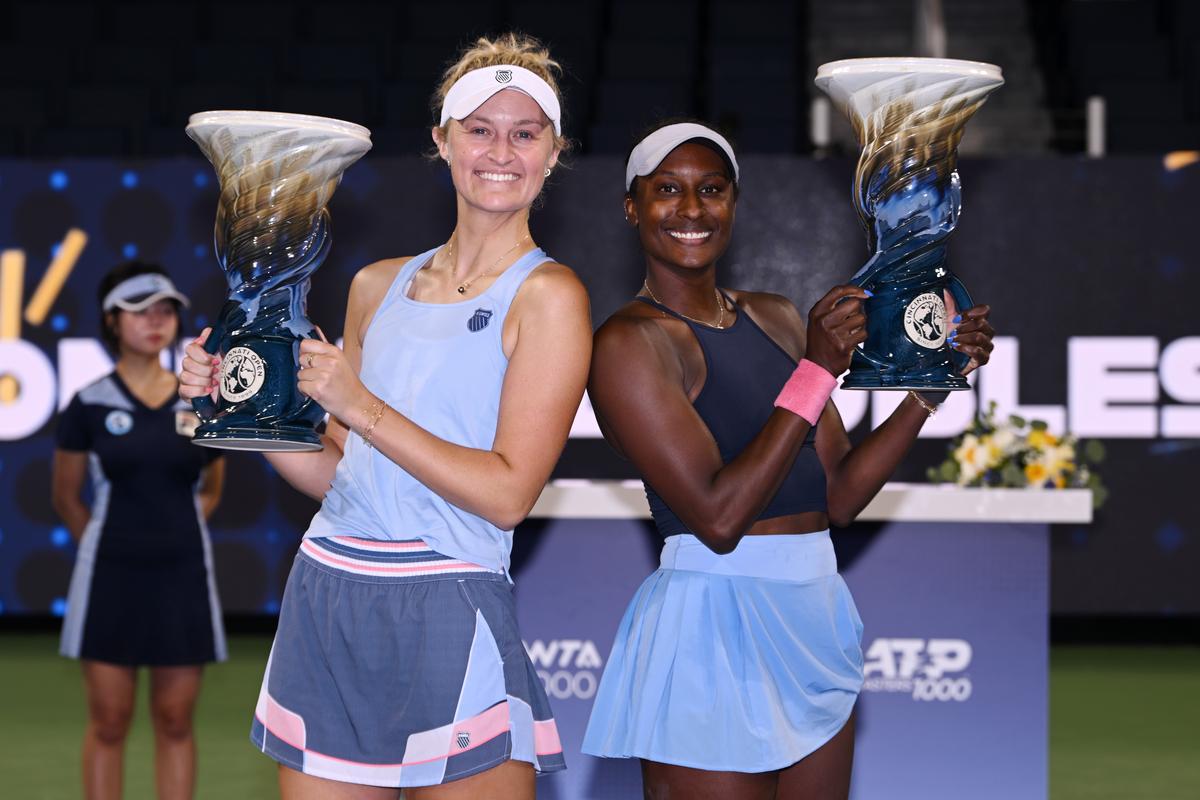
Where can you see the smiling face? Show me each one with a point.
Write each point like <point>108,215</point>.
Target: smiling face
<point>500,152</point>
<point>684,209</point>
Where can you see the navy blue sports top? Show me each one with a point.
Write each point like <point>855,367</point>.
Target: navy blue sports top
<point>746,371</point>
<point>145,473</point>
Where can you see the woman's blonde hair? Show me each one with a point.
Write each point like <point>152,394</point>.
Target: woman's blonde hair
<point>514,48</point>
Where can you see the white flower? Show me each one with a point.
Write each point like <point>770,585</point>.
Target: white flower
<point>972,458</point>
<point>1004,440</point>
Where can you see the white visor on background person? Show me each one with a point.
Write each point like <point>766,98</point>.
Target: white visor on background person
<point>651,151</point>
<point>141,292</point>
<point>475,88</point>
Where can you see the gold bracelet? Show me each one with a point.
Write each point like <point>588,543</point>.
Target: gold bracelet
<point>929,407</point>
<point>376,415</point>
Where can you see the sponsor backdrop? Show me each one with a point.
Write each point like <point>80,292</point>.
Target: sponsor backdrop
<point>954,704</point>
<point>1087,264</point>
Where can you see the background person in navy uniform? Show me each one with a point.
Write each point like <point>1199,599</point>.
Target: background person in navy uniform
<point>143,591</point>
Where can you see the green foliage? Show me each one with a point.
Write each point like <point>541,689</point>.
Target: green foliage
<point>1020,453</point>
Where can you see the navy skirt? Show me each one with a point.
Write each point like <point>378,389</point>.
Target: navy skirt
<point>154,607</point>
<point>395,665</point>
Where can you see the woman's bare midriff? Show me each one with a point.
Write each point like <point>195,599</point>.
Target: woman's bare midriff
<point>807,522</point>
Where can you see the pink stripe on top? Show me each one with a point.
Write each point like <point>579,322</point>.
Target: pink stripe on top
<point>373,544</point>
<point>350,564</point>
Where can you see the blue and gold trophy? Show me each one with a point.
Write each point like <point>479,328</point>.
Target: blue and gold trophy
<point>277,173</point>
<point>909,115</point>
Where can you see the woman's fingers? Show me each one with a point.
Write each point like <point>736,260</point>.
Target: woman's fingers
<point>317,347</point>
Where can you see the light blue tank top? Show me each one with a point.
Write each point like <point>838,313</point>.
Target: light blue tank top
<point>441,365</point>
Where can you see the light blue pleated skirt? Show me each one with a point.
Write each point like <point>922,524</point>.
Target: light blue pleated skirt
<point>745,662</point>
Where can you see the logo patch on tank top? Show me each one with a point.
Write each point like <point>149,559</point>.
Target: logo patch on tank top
<point>118,422</point>
<point>463,739</point>
<point>242,374</point>
<point>479,320</point>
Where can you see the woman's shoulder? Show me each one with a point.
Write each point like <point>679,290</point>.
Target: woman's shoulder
<point>377,276</point>
<point>777,316</point>
<point>102,391</point>
<point>767,305</point>
<point>552,283</point>
<point>639,326</point>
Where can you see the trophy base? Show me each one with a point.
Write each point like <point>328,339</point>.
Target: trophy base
<point>907,387</point>
<point>872,381</point>
<point>871,373</point>
<point>262,440</point>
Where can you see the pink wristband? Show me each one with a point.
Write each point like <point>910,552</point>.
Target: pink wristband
<point>806,391</point>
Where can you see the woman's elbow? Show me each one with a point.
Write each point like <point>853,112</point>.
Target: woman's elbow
<point>720,540</point>
<point>61,503</point>
<point>508,515</point>
<point>841,516</point>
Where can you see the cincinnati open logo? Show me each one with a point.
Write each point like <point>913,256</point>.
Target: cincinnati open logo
<point>925,320</point>
<point>242,374</point>
<point>926,669</point>
<point>118,422</point>
<point>503,75</point>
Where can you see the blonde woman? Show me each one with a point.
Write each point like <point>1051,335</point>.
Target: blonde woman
<point>397,662</point>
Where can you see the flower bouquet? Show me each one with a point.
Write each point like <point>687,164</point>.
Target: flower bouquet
<point>1020,453</point>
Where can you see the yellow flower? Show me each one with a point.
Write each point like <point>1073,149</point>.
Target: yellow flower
<point>1041,439</point>
<point>1036,473</point>
<point>994,451</point>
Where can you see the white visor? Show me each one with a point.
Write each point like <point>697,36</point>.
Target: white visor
<point>141,292</point>
<point>651,151</point>
<point>473,90</point>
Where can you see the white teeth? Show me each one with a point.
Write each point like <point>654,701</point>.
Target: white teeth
<point>497,176</point>
<point>690,236</point>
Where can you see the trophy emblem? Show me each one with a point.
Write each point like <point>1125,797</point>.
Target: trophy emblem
<point>277,173</point>
<point>908,116</point>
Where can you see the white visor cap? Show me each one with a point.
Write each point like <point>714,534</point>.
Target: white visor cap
<point>141,292</point>
<point>475,88</point>
<point>651,151</point>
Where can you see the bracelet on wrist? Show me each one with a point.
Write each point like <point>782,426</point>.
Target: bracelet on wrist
<point>930,407</point>
<point>374,414</point>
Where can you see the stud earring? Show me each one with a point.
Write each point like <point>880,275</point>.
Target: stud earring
<point>547,175</point>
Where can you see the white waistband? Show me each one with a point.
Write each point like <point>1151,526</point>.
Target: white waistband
<point>790,557</point>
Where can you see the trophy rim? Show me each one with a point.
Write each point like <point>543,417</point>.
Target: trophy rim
<point>278,119</point>
<point>908,64</point>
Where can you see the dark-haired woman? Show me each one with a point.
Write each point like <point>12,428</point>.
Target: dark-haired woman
<point>142,592</point>
<point>737,665</point>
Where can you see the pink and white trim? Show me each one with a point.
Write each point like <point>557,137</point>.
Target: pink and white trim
<point>349,562</point>
<point>423,748</point>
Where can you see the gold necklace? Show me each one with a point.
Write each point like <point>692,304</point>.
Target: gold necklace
<point>719,324</point>
<point>462,287</point>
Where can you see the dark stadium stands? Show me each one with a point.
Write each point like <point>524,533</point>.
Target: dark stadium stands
<point>121,78</point>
